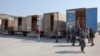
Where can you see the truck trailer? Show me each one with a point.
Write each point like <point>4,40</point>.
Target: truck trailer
<point>32,21</point>
<point>83,17</point>
<point>53,22</point>
<point>20,25</point>
<point>6,24</point>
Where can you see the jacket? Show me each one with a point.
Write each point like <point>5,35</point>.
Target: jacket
<point>73,33</point>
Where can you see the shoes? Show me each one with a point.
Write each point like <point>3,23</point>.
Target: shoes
<point>73,45</point>
<point>88,42</point>
<point>83,51</point>
<point>92,44</point>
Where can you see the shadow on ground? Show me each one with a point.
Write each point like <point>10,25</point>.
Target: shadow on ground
<point>27,39</point>
<point>70,46</point>
<point>66,46</point>
<point>65,52</point>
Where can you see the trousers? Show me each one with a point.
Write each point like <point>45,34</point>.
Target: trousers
<point>83,44</point>
<point>38,37</point>
<point>73,41</point>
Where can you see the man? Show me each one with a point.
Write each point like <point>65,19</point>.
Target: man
<point>87,34</point>
<point>69,36</point>
<point>78,29</point>
<point>74,34</point>
<point>99,32</point>
<point>82,40</point>
<point>37,32</point>
<point>58,34</point>
<point>92,35</point>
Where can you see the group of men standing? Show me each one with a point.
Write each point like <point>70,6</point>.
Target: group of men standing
<point>77,33</point>
<point>73,34</point>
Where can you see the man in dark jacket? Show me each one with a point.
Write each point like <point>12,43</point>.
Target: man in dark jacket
<point>82,40</point>
<point>92,35</point>
<point>78,34</point>
<point>74,34</point>
<point>69,36</point>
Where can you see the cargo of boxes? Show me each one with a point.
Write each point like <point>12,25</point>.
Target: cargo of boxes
<point>49,23</point>
<point>32,22</point>
<point>6,24</point>
<point>20,25</point>
<point>53,21</point>
<point>83,17</point>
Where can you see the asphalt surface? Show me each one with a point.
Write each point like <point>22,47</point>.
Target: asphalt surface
<point>29,46</point>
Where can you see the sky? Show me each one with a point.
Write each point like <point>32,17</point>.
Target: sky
<point>38,7</point>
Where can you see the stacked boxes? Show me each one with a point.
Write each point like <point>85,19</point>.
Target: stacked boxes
<point>53,21</point>
<point>7,23</point>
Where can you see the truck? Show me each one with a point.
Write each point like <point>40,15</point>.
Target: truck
<point>20,25</point>
<point>6,24</point>
<point>32,21</point>
<point>83,17</point>
<point>52,22</point>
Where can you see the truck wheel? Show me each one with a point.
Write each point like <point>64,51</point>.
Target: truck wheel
<point>25,33</point>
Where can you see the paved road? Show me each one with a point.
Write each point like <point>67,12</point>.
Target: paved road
<point>26,46</point>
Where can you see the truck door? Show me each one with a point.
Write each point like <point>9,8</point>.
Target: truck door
<point>91,18</point>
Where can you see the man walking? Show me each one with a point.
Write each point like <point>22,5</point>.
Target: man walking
<point>82,40</point>
<point>92,35</point>
<point>87,34</point>
<point>78,29</point>
<point>37,33</point>
<point>69,36</point>
<point>74,34</point>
